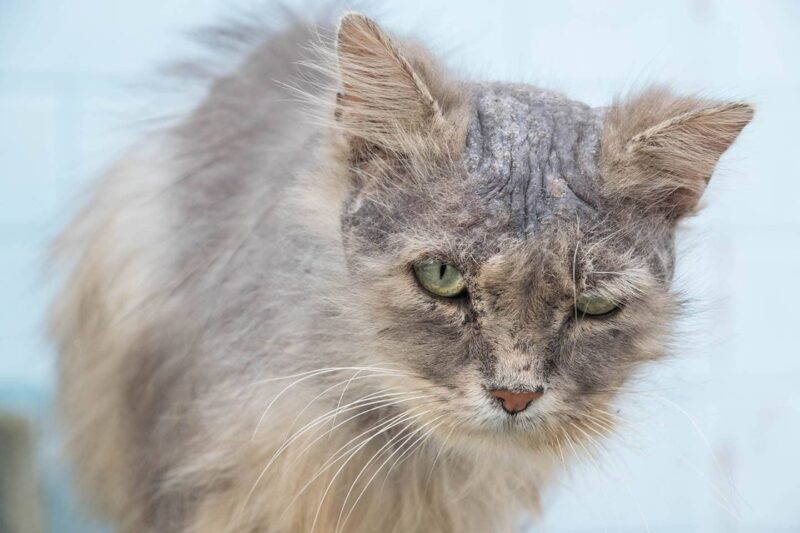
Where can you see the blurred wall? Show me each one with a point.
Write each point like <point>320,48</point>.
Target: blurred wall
<point>712,439</point>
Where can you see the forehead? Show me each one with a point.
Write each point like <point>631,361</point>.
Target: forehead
<point>525,177</point>
<point>530,154</point>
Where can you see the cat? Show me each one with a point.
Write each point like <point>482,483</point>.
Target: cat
<point>349,292</point>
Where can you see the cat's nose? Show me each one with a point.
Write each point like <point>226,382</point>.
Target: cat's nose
<point>514,402</point>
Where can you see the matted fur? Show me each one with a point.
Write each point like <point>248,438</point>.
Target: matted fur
<point>244,346</point>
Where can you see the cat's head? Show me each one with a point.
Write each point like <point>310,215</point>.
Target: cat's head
<point>510,248</point>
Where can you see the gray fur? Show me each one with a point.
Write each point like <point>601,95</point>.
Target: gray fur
<point>266,236</point>
<point>533,152</point>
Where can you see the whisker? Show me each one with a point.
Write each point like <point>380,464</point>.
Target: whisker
<point>558,447</point>
<point>304,377</point>
<point>589,455</point>
<point>601,423</point>
<point>344,390</point>
<point>410,450</point>
<point>358,404</point>
<point>327,370</point>
<point>341,453</point>
<point>439,453</point>
<point>338,405</point>
<point>336,475</point>
<point>319,420</point>
<point>375,455</point>
<point>352,508</point>
<point>381,406</point>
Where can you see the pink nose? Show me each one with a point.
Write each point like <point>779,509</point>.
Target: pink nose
<point>514,402</point>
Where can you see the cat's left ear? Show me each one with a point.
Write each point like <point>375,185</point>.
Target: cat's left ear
<point>659,150</point>
<point>383,99</point>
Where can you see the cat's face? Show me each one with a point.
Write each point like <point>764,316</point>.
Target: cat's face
<point>526,264</point>
<point>551,222</point>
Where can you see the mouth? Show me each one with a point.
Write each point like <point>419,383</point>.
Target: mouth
<point>514,400</point>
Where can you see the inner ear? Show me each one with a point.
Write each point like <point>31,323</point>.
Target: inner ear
<point>382,98</point>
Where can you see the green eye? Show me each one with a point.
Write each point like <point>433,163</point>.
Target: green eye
<point>593,305</point>
<point>440,278</point>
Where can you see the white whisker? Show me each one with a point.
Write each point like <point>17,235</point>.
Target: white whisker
<point>352,508</point>
<point>305,376</point>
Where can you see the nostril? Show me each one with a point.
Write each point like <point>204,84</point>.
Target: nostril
<point>514,402</point>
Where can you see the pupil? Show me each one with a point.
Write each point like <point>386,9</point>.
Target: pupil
<point>442,269</point>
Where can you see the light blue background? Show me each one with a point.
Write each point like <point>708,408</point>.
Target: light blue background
<point>713,440</point>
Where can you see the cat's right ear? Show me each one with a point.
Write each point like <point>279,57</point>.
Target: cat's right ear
<point>383,101</point>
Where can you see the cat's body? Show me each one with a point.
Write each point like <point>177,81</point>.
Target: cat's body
<point>244,275</point>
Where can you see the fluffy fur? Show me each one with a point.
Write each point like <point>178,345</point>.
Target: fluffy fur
<point>244,346</point>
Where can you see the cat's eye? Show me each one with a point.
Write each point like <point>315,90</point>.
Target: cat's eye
<point>595,306</point>
<point>440,278</point>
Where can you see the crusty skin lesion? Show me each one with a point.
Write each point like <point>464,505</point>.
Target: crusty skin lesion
<point>532,153</point>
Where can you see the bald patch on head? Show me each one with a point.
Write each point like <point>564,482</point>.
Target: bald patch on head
<point>532,153</point>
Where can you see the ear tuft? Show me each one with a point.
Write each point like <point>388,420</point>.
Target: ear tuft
<point>382,97</point>
<point>660,150</point>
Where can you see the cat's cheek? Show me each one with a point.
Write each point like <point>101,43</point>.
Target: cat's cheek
<point>604,353</point>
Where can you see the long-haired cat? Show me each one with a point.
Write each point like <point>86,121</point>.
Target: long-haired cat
<point>395,303</point>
